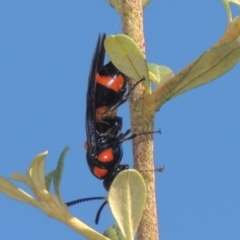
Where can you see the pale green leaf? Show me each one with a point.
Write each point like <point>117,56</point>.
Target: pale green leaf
<point>228,9</point>
<point>127,196</point>
<point>145,3</point>
<point>36,174</point>
<point>12,191</point>
<point>209,66</point>
<point>231,34</point>
<point>114,3</point>
<point>45,201</point>
<point>19,177</point>
<point>152,77</point>
<point>162,74</point>
<point>126,56</point>
<point>237,2</point>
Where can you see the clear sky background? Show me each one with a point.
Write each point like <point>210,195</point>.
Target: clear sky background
<point>46,49</point>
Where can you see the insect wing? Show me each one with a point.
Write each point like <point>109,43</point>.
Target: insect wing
<point>97,63</point>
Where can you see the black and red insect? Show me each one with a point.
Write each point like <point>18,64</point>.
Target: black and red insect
<point>107,90</point>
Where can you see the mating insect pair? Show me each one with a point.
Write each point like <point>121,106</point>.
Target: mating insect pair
<point>107,90</point>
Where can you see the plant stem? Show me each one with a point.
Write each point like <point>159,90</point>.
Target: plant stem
<point>142,120</point>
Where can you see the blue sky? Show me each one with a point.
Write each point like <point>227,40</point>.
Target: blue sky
<point>45,55</point>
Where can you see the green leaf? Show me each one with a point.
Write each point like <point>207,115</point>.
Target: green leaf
<point>49,179</point>
<point>114,233</point>
<point>127,197</point>
<point>126,56</point>
<point>162,74</point>
<point>58,172</point>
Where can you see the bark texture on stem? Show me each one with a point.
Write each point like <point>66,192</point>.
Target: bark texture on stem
<point>142,119</point>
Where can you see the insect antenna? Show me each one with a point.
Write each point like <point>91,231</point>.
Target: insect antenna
<point>99,211</point>
<point>71,203</point>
